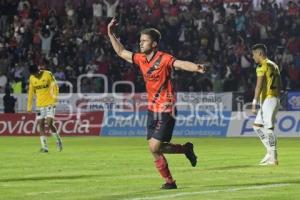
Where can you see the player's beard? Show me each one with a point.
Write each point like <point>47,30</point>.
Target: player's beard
<point>146,51</point>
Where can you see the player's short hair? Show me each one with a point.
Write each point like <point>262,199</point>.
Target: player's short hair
<point>153,33</point>
<point>260,47</point>
<point>33,69</point>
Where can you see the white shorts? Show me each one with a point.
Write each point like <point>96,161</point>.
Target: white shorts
<point>45,112</point>
<point>267,112</point>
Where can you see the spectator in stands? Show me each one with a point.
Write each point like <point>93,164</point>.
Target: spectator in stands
<point>97,10</point>
<point>240,21</point>
<point>198,30</point>
<point>46,37</point>
<point>60,74</point>
<point>3,82</point>
<point>17,86</point>
<point>111,7</point>
<point>287,58</point>
<point>3,16</point>
<point>23,4</point>
<point>9,102</point>
<point>70,11</point>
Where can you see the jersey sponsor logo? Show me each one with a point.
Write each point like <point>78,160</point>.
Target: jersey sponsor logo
<point>151,77</point>
<point>38,87</point>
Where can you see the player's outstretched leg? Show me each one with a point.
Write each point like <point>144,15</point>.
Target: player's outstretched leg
<point>59,144</point>
<point>187,149</point>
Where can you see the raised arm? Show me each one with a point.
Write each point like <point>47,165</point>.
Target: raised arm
<point>116,3</point>
<point>118,47</point>
<point>189,66</point>
<point>106,3</point>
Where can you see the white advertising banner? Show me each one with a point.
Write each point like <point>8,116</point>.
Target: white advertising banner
<point>204,101</point>
<point>132,102</point>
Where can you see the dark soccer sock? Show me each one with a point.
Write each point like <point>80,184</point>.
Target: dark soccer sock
<point>163,168</point>
<point>173,148</point>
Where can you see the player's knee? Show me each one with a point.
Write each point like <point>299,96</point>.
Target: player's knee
<point>50,121</point>
<point>269,123</point>
<point>41,125</point>
<point>256,126</point>
<point>269,126</point>
<point>154,148</point>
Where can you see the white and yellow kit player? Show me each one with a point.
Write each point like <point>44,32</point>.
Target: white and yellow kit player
<point>267,93</point>
<point>43,85</point>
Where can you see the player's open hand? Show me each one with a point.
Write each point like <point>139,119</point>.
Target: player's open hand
<point>201,68</point>
<point>111,24</point>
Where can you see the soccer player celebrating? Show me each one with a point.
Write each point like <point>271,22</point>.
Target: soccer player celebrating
<point>156,67</point>
<point>43,85</point>
<point>267,91</point>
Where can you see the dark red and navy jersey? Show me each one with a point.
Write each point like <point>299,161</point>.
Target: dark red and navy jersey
<point>157,76</point>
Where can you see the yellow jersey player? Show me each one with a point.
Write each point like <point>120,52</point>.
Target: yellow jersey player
<point>42,84</point>
<point>267,92</point>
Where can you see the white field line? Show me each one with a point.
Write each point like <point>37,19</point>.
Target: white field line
<point>259,187</point>
<point>46,192</point>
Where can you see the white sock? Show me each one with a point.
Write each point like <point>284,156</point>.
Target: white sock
<point>273,143</point>
<point>44,142</point>
<point>263,136</point>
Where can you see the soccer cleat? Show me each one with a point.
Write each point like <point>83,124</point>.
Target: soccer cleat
<point>265,159</point>
<point>269,163</point>
<point>59,145</point>
<point>43,150</point>
<point>190,154</point>
<point>169,186</point>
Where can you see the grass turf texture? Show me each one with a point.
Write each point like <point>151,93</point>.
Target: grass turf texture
<point>108,168</point>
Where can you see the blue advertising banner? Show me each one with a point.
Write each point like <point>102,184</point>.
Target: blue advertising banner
<point>202,123</point>
<point>293,101</point>
<point>287,124</point>
<point>187,124</point>
<point>125,124</point>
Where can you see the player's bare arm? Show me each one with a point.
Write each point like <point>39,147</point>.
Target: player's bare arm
<point>189,66</point>
<point>258,89</point>
<point>118,47</point>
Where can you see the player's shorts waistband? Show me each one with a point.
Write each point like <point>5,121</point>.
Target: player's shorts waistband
<point>48,106</point>
<point>272,96</point>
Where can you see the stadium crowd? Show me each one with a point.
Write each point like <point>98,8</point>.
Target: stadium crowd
<point>70,38</point>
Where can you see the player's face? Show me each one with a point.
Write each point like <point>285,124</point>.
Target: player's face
<point>146,44</point>
<point>256,56</point>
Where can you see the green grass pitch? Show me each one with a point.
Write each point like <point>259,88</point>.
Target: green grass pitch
<point>113,168</point>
